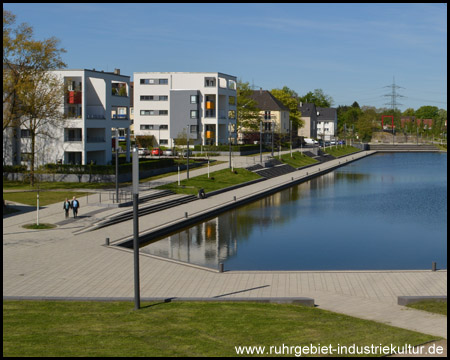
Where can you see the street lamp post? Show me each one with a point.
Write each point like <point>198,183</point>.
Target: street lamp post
<point>229,140</point>
<point>290,133</point>
<point>117,164</point>
<point>159,141</point>
<point>187,166</point>
<point>260,142</point>
<point>137,299</point>
<point>272,125</point>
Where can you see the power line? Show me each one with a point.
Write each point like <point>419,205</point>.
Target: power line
<point>394,95</point>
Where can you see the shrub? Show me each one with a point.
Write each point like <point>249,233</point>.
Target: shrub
<point>14,168</point>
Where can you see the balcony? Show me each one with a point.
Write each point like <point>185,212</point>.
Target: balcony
<point>95,139</point>
<point>74,97</point>
<point>210,114</point>
<point>120,117</point>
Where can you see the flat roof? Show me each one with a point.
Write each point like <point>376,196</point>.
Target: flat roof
<point>94,71</point>
<point>182,72</point>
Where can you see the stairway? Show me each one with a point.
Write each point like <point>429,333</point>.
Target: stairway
<point>275,171</point>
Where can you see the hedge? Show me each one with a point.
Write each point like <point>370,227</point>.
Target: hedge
<point>101,169</point>
<point>236,148</point>
<point>14,168</point>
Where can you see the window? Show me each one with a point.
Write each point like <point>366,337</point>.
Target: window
<point>164,142</point>
<point>148,112</point>
<point>146,127</point>
<point>25,133</point>
<point>210,82</point>
<point>146,97</point>
<point>231,114</point>
<point>194,99</point>
<point>154,112</point>
<point>194,114</point>
<point>194,129</point>
<point>147,81</point>
<point>231,100</point>
<point>163,98</point>
<point>154,81</point>
<point>164,127</point>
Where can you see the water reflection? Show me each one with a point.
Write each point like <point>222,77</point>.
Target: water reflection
<point>377,213</point>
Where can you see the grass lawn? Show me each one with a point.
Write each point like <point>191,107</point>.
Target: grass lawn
<point>297,160</point>
<point>438,307</point>
<point>45,197</point>
<point>53,185</point>
<point>340,151</point>
<point>54,328</point>
<point>218,180</point>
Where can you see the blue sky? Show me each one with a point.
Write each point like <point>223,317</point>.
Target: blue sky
<point>350,51</point>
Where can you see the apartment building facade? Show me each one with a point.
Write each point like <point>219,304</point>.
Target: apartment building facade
<point>309,116</point>
<point>326,123</point>
<point>95,104</point>
<point>200,105</point>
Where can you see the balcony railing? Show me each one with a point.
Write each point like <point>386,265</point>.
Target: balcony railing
<point>210,113</point>
<point>120,116</point>
<point>95,116</point>
<point>95,139</point>
<point>72,138</point>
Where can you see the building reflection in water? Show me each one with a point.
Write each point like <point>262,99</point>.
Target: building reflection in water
<point>214,241</point>
<point>207,244</point>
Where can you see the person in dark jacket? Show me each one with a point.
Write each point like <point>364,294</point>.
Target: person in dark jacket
<point>75,205</point>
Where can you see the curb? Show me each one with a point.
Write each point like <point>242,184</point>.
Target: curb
<point>285,300</point>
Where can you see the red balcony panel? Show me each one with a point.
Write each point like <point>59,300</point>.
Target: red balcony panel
<point>74,97</point>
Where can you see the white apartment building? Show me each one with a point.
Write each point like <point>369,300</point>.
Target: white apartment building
<point>326,123</point>
<point>95,104</point>
<point>201,104</point>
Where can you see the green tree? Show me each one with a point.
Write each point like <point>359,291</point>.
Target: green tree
<point>248,113</point>
<point>32,97</point>
<point>289,98</point>
<point>366,123</point>
<point>23,60</point>
<point>427,112</point>
<point>409,112</point>
<point>318,98</point>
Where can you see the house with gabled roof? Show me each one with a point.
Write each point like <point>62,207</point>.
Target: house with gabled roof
<point>309,116</point>
<point>274,115</point>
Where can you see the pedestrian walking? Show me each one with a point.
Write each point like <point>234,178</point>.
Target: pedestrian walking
<point>66,207</point>
<point>75,206</point>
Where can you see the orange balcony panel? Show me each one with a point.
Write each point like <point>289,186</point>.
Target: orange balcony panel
<point>210,134</point>
<point>74,97</point>
<point>209,105</point>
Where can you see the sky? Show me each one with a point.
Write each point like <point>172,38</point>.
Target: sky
<point>353,52</point>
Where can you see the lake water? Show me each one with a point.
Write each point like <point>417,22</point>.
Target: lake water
<point>387,211</point>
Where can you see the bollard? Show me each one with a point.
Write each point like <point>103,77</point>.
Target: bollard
<point>221,267</point>
<point>292,178</point>
<point>234,198</point>
<point>186,214</point>
<point>433,266</point>
<point>107,242</point>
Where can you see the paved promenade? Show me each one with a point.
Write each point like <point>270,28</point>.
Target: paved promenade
<point>69,262</point>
